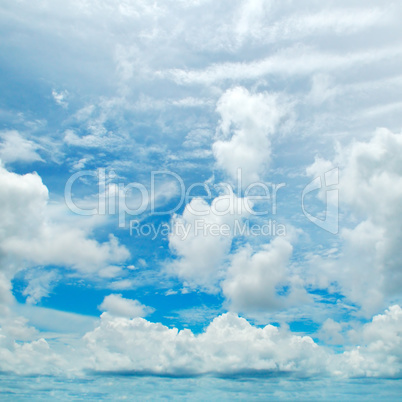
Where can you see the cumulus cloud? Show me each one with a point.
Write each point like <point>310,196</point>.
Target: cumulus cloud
<point>254,280</point>
<point>380,351</point>
<point>247,122</point>
<point>202,236</point>
<point>229,345</point>
<point>18,358</point>
<point>23,350</point>
<point>370,189</point>
<point>117,305</point>
<point>28,237</point>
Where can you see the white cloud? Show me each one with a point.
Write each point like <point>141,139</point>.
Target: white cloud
<point>52,322</point>
<point>268,22</point>
<point>229,345</point>
<point>290,61</point>
<point>331,332</point>
<point>15,148</point>
<point>254,279</point>
<point>197,138</point>
<point>19,357</point>
<point>370,189</point>
<point>80,164</point>
<point>40,284</point>
<point>29,237</point>
<point>201,238</point>
<point>118,306</point>
<point>23,350</point>
<point>123,284</point>
<point>380,351</point>
<point>60,98</point>
<point>99,138</point>
<point>6,296</point>
<point>247,123</point>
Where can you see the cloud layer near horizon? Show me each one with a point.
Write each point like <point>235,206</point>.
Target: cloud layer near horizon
<point>229,345</point>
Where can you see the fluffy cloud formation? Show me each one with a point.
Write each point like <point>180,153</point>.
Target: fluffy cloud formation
<point>28,237</point>
<point>380,350</point>
<point>118,306</point>
<point>202,236</point>
<point>247,122</point>
<point>370,188</point>
<point>198,239</point>
<point>255,280</point>
<point>229,345</point>
<point>23,350</point>
<point>18,358</point>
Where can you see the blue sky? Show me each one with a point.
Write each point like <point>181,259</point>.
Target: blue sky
<point>128,243</point>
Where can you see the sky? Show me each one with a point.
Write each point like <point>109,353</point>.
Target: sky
<point>201,188</point>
